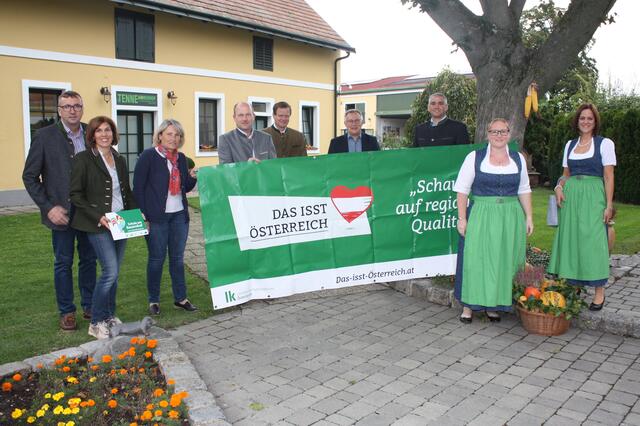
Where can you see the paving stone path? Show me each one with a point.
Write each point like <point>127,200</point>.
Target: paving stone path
<point>374,356</point>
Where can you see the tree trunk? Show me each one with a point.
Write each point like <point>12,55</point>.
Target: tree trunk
<point>503,66</point>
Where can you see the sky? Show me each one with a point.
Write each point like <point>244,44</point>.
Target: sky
<point>391,39</point>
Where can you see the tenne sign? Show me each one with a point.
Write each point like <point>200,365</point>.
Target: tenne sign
<point>136,99</point>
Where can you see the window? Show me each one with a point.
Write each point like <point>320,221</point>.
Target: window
<point>135,38</point>
<point>262,53</point>
<point>360,106</point>
<point>310,123</point>
<point>43,108</point>
<point>262,108</point>
<point>209,122</point>
<point>208,125</point>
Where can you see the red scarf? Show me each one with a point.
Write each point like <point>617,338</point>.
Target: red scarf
<point>174,176</point>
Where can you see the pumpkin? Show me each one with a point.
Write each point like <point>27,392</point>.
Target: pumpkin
<point>532,292</point>
<point>553,298</point>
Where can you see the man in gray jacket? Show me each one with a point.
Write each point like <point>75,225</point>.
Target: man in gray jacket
<point>47,178</point>
<point>243,143</point>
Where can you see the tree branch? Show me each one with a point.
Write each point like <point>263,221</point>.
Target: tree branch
<point>573,32</point>
<point>455,19</point>
<point>516,7</point>
<point>497,12</point>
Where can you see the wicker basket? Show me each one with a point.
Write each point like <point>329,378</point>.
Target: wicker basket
<point>543,324</point>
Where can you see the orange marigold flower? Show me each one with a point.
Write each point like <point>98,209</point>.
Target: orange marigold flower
<point>6,387</point>
<point>94,367</point>
<point>123,371</point>
<point>171,382</point>
<point>59,361</point>
<point>84,404</point>
<point>133,424</point>
<point>173,414</point>
<point>141,370</point>
<point>90,359</point>
<point>150,406</point>
<point>114,391</point>
<point>91,403</point>
<point>146,415</point>
<point>122,356</point>
<point>17,377</point>
<point>175,402</point>
<point>158,413</point>
<point>183,394</point>
<point>148,354</point>
<point>106,358</point>
<point>158,392</point>
<point>163,403</point>
<point>132,351</point>
<point>66,369</point>
<point>39,365</point>
<point>152,343</point>
<point>134,340</point>
<point>112,403</point>
<point>142,340</point>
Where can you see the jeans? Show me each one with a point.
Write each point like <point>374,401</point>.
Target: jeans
<point>63,248</point>
<point>110,254</point>
<point>172,235</point>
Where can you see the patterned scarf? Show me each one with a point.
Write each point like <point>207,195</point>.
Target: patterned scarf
<point>174,176</point>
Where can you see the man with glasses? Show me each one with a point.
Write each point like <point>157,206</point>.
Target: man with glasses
<point>47,176</point>
<point>440,130</point>
<point>355,140</point>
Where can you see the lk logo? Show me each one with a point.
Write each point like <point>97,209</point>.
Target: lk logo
<point>229,296</point>
<point>351,203</point>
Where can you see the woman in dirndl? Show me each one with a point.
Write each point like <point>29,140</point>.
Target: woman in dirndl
<point>585,196</point>
<point>493,228</point>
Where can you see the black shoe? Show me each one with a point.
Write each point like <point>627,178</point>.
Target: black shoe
<point>493,318</point>
<point>86,314</point>
<point>154,308</point>
<point>466,320</point>
<point>597,306</point>
<point>186,305</point>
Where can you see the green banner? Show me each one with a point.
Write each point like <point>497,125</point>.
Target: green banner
<point>293,225</point>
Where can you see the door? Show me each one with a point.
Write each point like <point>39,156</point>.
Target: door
<point>136,134</point>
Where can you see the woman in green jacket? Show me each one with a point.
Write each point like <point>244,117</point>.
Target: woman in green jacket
<point>100,184</point>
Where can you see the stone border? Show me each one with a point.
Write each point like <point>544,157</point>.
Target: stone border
<point>622,323</point>
<point>174,364</point>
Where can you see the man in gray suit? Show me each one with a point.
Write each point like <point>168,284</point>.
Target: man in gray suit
<point>243,143</point>
<point>47,178</point>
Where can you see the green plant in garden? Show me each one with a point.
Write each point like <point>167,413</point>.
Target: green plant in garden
<point>126,389</point>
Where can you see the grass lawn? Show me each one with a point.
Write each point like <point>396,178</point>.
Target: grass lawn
<point>627,225</point>
<point>28,311</point>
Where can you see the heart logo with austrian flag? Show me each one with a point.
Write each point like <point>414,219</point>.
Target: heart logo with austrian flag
<point>351,203</point>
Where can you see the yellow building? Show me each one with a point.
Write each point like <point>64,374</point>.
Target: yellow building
<point>384,103</point>
<point>141,61</point>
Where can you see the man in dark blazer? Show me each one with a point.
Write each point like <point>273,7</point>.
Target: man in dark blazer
<point>47,178</point>
<point>355,140</point>
<point>440,130</point>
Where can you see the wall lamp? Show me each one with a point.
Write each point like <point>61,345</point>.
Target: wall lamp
<point>106,93</point>
<point>172,97</point>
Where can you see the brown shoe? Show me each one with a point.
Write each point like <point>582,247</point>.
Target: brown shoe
<point>68,322</point>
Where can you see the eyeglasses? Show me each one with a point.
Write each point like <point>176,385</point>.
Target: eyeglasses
<point>76,107</point>
<point>356,121</point>
<point>502,132</point>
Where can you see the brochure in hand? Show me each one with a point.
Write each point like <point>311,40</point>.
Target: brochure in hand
<point>126,224</point>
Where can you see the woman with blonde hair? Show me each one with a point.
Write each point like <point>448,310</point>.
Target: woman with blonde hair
<point>494,227</point>
<point>161,181</point>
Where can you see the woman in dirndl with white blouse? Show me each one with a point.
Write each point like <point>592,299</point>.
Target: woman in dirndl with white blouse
<point>585,196</point>
<point>493,228</point>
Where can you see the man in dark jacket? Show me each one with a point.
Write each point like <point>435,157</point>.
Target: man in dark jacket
<point>440,130</point>
<point>47,178</point>
<point>355,140</point>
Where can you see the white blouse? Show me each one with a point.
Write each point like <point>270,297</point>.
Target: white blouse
<point>607,152</point>
<point>116,192</point>
<point>467,172</point>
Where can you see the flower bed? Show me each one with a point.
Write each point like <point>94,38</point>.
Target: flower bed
<point>127,389</point>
